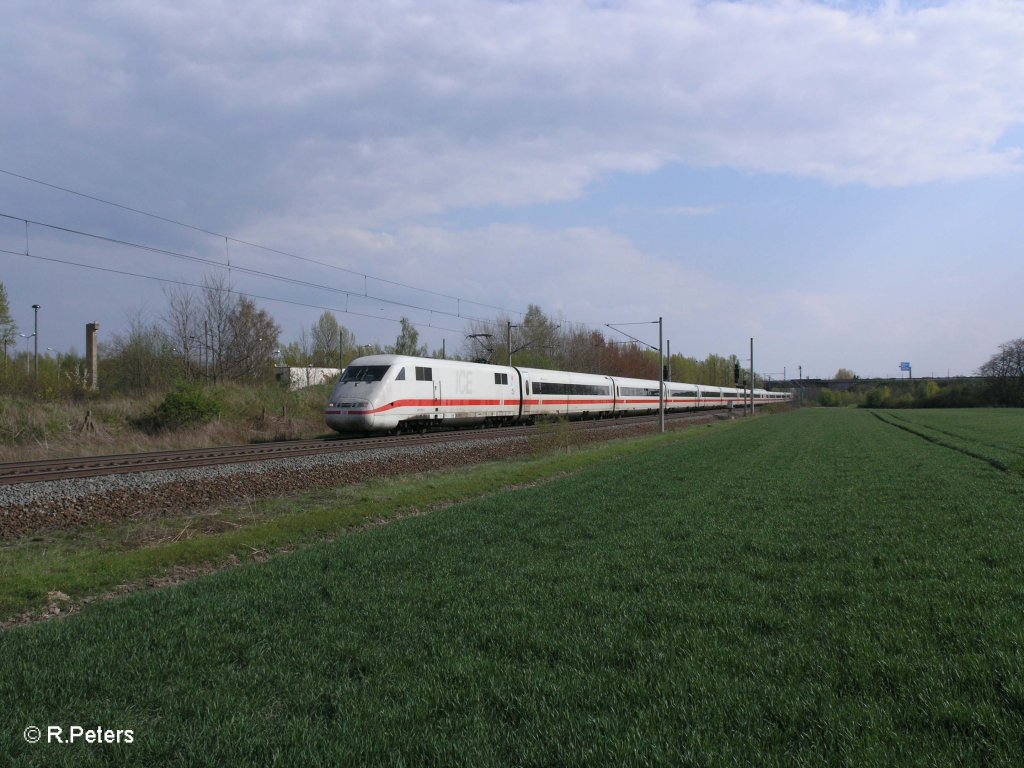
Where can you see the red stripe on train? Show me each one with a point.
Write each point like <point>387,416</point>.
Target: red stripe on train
<point>430,403</point>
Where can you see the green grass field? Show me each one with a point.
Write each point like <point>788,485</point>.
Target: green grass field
<point>819,588</point>
<point>995,435</point>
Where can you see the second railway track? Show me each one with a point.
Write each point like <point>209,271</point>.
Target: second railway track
<point>94,466</point>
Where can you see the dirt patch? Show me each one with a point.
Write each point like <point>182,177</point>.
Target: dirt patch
<point>59,605</point>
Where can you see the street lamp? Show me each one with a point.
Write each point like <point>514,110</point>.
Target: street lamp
<point>27,336</point>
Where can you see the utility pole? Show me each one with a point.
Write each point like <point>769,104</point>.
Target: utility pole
<point>35,355</point>
<point>661,376</point>
<point>751,375</point>
<point>661,361</point>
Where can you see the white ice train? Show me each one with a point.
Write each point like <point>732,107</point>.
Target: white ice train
<point>381,393</point>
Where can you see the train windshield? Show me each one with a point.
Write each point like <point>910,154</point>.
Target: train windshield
<point>364,373</point>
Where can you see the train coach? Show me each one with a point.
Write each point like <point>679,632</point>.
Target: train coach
<point>382,393</point>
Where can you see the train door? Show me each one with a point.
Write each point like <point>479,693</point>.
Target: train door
<point>437,399</point>
<point>523,389</point>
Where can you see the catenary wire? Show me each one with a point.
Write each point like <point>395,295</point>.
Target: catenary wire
<point>244,269</point>
<point>249,243</point>
<point>247,294</point>
<point>228,238</point>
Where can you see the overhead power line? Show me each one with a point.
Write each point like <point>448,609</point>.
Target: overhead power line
<point>229,239</point>
<point>234,291</point>
<point>268,249</point>
<point>236,268</point>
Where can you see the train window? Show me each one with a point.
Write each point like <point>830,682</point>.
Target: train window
<point>558,388</point>
<point>424,374</point>
<point>710,394</point>
<point>364,373</point>
<point>501,378</point>
<point>638,392</point>
<point>684,393</point>
<point>401,375</point>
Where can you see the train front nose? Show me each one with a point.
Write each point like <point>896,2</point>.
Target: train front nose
<point>349,415</point>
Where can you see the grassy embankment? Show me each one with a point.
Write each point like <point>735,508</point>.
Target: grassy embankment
<point>32,428</point>
<point>821,588</point>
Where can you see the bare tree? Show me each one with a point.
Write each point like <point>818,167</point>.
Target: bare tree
<point>183,324</point>
<point>330,340</point>
<point>141,359</point>
<point>250,340</point>
<point>581,349</point>
<point>8,328</point>
<point>218,303</point>
<point>542,341</point>
<point>220,329</point>
<point>1005,373</point>
<point>300,351</point>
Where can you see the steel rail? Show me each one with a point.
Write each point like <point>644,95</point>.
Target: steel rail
<point>93,466</point>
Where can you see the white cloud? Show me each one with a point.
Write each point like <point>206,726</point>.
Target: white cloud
<point>688,210</point>
<point>380,111</point>
<point>343,129</point>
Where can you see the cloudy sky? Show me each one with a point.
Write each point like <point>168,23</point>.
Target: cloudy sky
<point>841,181</point>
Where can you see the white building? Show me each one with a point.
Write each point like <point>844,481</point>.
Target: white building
<point>296,377</point>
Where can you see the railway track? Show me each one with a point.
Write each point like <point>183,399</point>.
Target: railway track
<point>94,466</point>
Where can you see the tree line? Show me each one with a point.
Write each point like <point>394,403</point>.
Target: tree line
<point>215,334</point>
<point>541,341</point>
<point>212,334</point>
<point>1000,384</point>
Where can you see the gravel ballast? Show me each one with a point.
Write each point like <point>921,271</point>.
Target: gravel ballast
<point>28,508</point>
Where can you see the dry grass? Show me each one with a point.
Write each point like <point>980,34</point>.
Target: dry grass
<point>39,429</point>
